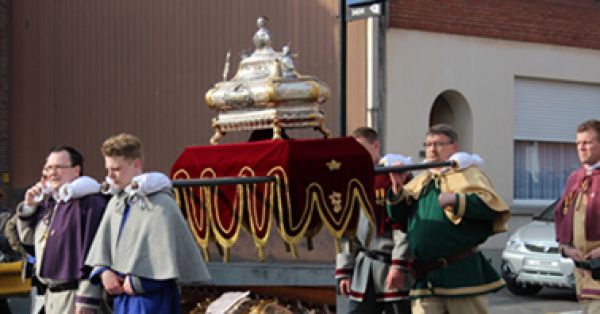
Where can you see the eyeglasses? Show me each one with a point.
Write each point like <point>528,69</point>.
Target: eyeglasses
<point>51,168</point>
<point>586,143</point>
<point>436,144</point>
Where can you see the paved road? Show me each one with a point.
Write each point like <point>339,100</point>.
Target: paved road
<point>548,301</point>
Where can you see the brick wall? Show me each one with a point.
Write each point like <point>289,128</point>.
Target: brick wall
<point>561,22</point>
<point>4,93</point>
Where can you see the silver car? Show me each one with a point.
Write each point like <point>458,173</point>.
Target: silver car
<point>531,259</point>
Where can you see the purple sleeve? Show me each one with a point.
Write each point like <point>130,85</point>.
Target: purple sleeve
<point>92,210</point>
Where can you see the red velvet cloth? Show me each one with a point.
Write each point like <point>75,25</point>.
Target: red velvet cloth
<point>382,220</point>
<point>309,192</point>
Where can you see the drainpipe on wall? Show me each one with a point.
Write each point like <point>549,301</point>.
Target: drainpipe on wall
<point>372,73</point>
<point>376,29</point>
<point>342,66</point>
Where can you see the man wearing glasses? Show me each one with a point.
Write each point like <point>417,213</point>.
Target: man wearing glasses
<point>448,213</point>
<point>59,218</point>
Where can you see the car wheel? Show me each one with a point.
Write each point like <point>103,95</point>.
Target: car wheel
<point>522,289</point>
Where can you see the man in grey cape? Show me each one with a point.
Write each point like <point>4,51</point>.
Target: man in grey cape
<point>143,248</point>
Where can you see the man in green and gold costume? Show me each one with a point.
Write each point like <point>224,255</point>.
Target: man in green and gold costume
<point>448,212</point>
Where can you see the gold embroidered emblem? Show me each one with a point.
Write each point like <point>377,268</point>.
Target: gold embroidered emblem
<point>336,201</point>
<point>567,204</point>
<point>585,185</point>
<point>334,165</point>
<point>380,197</point>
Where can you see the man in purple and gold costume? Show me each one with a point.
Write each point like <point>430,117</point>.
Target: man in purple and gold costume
<point>59,217</point>
<point>578,216</point>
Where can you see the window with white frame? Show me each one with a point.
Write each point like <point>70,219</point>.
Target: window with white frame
<point>542,168</point>
<point>547,113</point>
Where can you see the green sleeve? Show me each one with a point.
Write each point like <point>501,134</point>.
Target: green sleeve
<point>475,208</point>
<point>396,207</point>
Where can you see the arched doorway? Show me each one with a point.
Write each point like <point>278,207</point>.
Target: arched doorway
<point>452,108</point>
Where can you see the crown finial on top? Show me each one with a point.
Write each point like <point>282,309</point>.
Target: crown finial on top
<point>262,37</point>
<point>261,21</point>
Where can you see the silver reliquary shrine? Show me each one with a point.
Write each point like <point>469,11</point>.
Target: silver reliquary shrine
<point>267,93</point>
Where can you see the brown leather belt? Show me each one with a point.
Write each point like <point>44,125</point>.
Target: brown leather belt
<point>420,270</point>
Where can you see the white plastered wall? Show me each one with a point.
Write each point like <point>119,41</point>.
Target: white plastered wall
<point>421,65</point>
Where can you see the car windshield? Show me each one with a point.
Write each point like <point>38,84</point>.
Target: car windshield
<point>547,214</point>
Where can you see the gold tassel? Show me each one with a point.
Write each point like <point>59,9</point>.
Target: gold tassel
<point>226,254</point>
<point>206,254</point>
<point>436,181</point>
<point>294,251</point>
<point>585,184</point>
<point>261,253</point>
<point>338,245</point>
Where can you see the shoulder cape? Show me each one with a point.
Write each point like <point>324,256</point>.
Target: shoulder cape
<point>155,242</point>
<point>464,181</point>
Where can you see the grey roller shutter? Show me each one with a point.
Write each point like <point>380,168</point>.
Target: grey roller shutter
<point>548,110</point>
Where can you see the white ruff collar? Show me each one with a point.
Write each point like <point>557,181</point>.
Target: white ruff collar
<point>141,185</point>
<point>78,188</point>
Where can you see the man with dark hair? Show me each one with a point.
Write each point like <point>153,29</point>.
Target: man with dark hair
<point>372,268</point>
<point>143,248</point>
<point>74,155</point>
<point>59,217</point>
<point>448,213</point>
<point>577,215</point>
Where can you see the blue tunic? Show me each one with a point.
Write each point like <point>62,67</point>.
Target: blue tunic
<point>157,296</point>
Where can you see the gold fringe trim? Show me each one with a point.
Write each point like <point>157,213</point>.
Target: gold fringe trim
<point>225,254</point>
<point>206,254</point>
<point>338,245</point>
<point>200,216</point>
<point>261,253</point>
